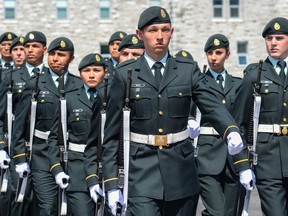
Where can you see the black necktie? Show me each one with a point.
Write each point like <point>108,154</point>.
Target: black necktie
<point>35,71</point>
<point>282,65</point>
<point>7,65</point>
<point>220,81</point>
<point>158,75</point>
<point>92,91</point>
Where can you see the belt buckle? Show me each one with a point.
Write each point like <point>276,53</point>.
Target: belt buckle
<point>160,141</point>
<point>283,130</point>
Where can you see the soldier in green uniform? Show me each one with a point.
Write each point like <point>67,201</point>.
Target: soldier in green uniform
<point>162,173</point>
<point>272,167</point>
<point>5,40</point>
<point>130,48</point>
<point>79,111</point>
<point>35,48</point>
<point>60,54</point>
<point>218,180</point>
<point>17,52</point>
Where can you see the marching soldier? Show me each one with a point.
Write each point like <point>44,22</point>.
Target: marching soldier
<point>35,48</point>
<point>60,55</point>
<point>218,180</point>
<point>79,111</point>
<point>130,48</point>
<point>272,167</point>
<point>162,178</point>
<point>5,41</point>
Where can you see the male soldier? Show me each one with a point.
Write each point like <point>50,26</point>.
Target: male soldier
<point>79,111</point>
<point>5,41</point>
<point>218,181</point>
<point>185,54</point>
<point>163,177</point>
<point>60,55</point>
<point>35,49</point>
<point>113,44</point>
<point>17,52</point>
<point>272,167</point>
<point>130,48</point>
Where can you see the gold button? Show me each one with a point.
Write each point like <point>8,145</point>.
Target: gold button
<point>160,130</point>
<point>180,94</point>
<point>42,101</point>
<point>77,118</point>
<point>159,96</point>
<point>223,101</point>
<point>137,96</point>
<point>284,119</point>
<point>284,104</point>
<point>160,113</point>
<point>285,90</point>
<point>19,90</point>
<point>266,90</point>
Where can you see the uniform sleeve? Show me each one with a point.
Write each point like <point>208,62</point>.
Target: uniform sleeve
<point>3,109</point>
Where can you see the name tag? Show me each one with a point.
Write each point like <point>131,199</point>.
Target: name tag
<point>138,85</point>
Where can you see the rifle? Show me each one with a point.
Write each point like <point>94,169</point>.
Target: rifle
<point>30,127</point>
<point>251,137</point>
<point>62,142</point>
<point>124,149</point>
<point>8,133</point>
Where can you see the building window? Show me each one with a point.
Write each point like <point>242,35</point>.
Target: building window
<point>104,51</point>
<point>61,9</point>
<point>104,9</point>
<point>234,8</point>
<point>218,8</point>
<point>242,53</point>
<point>155,2</point>
<point>9,9</point>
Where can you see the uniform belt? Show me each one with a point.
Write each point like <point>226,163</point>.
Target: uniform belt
<point>208,131</point>
<point>41,134</point>
<point>273,128</point>
<point>159,140</point>
<point>76,147</point>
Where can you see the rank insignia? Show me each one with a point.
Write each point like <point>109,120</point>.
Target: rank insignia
<point>97,57</point>
<point>21,39</point>
<point>134,40</point>
<point>184,54</point>
<point>277,26</point>
<point>216,42</point>
<point>9,36</point>
<point>31,36</point>
<point>121,35</point>
<point>163,14</point>
<point>63,44</point>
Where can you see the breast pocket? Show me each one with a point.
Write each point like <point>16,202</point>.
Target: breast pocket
<point>141,103</point>
<point>179,100</point>
<point>80,123</point>
<point>45,107</point>
<point>270,97</point>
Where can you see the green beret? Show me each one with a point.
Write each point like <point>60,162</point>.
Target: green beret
<point>216,41</point>
<point>119,35</point>
<point>93,59</point>
<point>61,43</point>
<point>278,25</point>
<point>153,15</point>
<point>18,41</point>
<point>35,36</point>
<point>7,36</point>
<point>131,41</point>
<point>185,54</point>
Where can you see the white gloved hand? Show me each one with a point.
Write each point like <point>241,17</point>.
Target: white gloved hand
<point>62,179</point>
<point>235,143</point>
<point>115,196</point>
<point>193,128</point>
<point>247,179</point>
<point>22,169</point>
<point>95,190</point>
<point>4,160</point>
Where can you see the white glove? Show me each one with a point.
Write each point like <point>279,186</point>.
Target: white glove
<point>4,160</point>
<point>247,179</point>
<point>95,190</point>
<point>62,179</point>
<point>235,143</point>
<point>115,196</point>
<point>22,169</point>
<point>193,128</point>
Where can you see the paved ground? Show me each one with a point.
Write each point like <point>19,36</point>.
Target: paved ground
<point>254,206</point>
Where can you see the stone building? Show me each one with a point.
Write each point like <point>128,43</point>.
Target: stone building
<point>89,24</point>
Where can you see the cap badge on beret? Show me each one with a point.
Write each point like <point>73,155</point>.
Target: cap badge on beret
<point>216,42</point>
<point>9,36</point>
<point>62,44</point>
<point>184,54</point>
<point>97,57</point>
<point>21,39</point>
<point>134,40</point>
<point>121,35</point>
<point>163,14</point>
<point>276,26</point>
<point>31,36</point>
